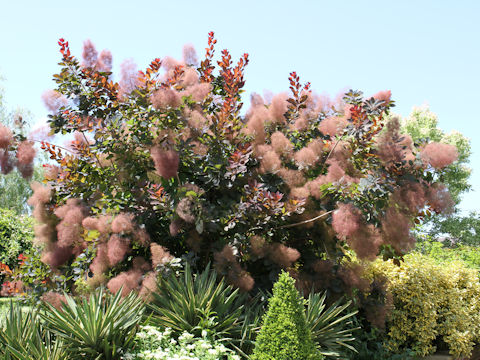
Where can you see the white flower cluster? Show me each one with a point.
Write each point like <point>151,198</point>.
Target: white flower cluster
<point>151,343</point>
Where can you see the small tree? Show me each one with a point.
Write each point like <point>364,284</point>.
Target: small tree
<point>164,164</point>
<point>284,334</point>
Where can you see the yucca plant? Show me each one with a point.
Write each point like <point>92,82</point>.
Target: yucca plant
<point>25,338</point>
<point>101,327</point>
<point>203,305</point>
<point>332,328</point>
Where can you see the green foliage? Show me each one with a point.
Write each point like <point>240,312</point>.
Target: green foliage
<point>99,327</point>
<point>36,276</point>
<point>442,253</point>
<point>23,337</point>
<point>15,190</point>
<point>204,305</point>
<point>285,334</point>
<point>16,235</point>
<point>152,343</point>
<point>332,328</point>
<point>434,306</point>
<point>5,307</point>
<point>459,229</point>
<point>422,126</point>
<point>369,344</point>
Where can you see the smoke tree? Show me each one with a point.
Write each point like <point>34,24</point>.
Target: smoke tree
<point>163,164</point>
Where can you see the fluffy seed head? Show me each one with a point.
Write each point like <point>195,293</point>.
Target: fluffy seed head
<point>305,157</point>
<point>270,162</point>
<point>440,199</point>
<point>160,255</point>
<point>280,143</point>
<point>282,255</point>
<point>101,263</point>
<point>292,178</point>
<point>6,162</point>
<point>439,155</point>
<point>185,210</point>
<point>190,55</point>
<point>165,98</point>
<point>26,170</point>
<point>396,230</point>
<point>89,54</point>
<point>365,242</point>
<point>149,285</point>
<point>6,137</point>
<point>198,91</point>
<point>129,77</point>
<point>142,237</point>
<point>332,125</point>
<point>166,162</point>
<point>123,223</point>
<point>117,248</point>
<point>346,219</point>
<point>53,298</point>
<point>56,255</point>
<point>104,62</point>
<point>127,281</point>
<point>256,123</point>
<point>384,95</point>
<point>175,227</point>
<point>53,100</point>
<point>278,107</point>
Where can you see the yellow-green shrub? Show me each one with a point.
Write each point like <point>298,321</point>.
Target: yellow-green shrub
<point>431,302</point>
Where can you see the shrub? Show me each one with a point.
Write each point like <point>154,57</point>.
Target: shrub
<point>284,334</point>
<point>163,163</point>
<point>152,343</point>
<point>369,344</point>
<point>433,304</point>
<point>16,235</point>
<point>201,304</point>
<point>99,327</point>
<point>35,277</point>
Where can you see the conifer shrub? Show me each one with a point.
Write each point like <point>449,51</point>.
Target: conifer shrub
<point>284,334</point>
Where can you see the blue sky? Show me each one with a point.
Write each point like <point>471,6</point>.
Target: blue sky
<point>425,52</point>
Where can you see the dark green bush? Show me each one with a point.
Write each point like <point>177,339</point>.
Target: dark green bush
<point>285,334</point>
<point>369,344</point>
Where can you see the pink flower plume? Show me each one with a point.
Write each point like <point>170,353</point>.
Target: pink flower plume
<point>439,155</point>
<point>166,162</point>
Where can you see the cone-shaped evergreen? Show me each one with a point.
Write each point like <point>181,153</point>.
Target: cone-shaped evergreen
<point>284,334</point>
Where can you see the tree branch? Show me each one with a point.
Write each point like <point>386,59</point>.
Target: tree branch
<point>305,221</point>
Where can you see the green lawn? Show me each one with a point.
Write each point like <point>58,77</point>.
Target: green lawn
<point>5,307</point>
